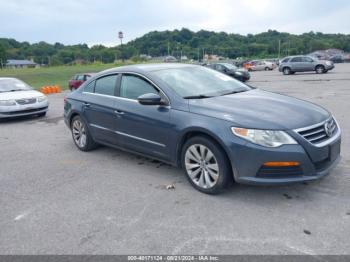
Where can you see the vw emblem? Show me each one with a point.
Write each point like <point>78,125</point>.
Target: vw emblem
<point>328,128</point>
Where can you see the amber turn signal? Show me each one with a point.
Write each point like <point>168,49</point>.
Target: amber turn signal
<point>281,164</point>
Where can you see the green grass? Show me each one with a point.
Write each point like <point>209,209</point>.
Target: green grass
<point>58,75</point>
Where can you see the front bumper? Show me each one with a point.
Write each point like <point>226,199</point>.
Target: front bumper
<point>329,67</point>
<point>23,110</point>
<point>248,159</point>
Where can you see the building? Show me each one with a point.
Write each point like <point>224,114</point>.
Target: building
<point>12,63</point>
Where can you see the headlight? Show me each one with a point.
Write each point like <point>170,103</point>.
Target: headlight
<point>7,102</point>
<point>268,138</point>
<point>41,99</point>
<point>238,73</point>
<point>328,63</point>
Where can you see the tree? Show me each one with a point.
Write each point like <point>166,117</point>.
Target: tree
<point>3,58</point>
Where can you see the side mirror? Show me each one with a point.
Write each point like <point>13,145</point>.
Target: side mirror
<point>150,99</point>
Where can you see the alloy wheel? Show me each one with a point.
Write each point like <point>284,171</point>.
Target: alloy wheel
<point>319,69</point>
<point>79,133</point>
<point>201,166</point>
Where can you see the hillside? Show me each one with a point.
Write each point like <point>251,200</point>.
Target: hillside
<point>192,44</point>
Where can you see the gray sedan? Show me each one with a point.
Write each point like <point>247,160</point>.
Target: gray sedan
<point>213,126</point>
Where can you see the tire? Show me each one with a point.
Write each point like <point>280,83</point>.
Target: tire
<point>197,154</point>
<point>287,71</point>
<point>320,69</point>
<point>42,114</point>
<point>267,69</point>
<point>79,131</point>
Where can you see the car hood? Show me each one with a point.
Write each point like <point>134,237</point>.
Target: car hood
<point>20,94</point>
<point>261,110</point>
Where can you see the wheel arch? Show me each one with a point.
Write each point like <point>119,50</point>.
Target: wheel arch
<point>320,65</point>
<point>72,115</point>
<point>192,132</point>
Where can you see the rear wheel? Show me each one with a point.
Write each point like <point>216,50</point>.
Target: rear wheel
<point>267,69</point>
<point>206,165</point>
<point>320,69</point>
<point>81,135</point>
<point>287,71</point>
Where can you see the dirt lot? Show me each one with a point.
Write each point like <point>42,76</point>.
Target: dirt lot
<point>55,199</point>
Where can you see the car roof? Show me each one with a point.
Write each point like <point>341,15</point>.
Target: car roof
<point>8,78</point>
<point>148,67</point>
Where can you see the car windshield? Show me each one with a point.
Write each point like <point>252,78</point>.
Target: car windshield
<point>199,82</point>
<point>230,66</point>
<point>11,85</point>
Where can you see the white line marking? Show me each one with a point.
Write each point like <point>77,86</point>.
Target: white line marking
<point>19,217</point>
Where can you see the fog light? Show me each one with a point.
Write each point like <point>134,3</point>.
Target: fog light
<point>281,164</point>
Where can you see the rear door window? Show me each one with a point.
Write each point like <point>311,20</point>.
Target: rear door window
<point>296,59</point>
<point>307,59</point>
<point>106,85</point>
<point>89,88</point>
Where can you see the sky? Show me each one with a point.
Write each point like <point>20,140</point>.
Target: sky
<point>98,22</point>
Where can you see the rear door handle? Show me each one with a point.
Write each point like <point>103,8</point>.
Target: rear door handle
<point>86,104</point>
<point>118,112</point>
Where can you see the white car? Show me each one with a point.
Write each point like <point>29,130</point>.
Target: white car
<point>262,65</point>
<point>19,99</point>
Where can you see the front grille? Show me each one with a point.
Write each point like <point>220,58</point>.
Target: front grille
<point>26,101</point>
<point>24,111</point>
<point>279,172</point>
<point>320,133</point>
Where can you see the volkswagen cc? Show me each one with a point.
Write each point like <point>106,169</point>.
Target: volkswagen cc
<point>216,128</point>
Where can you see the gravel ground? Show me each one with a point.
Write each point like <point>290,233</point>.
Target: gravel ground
<point>55,199</point>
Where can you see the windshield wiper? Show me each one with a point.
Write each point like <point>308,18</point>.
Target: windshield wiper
<point>233,92</point>
<point>197,97</point>
<point>14,90</point>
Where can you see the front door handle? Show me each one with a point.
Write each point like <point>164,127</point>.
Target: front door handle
<point>118,112</point>
<point>86,104</point>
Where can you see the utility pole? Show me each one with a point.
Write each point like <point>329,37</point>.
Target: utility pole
<point>121,36</point>
<point>279,48</point>
<point>168,49</point>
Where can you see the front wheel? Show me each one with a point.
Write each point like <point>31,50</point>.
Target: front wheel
<point>206,165</point>
<point>287,71</point>
<point>320,69</point>
<point>81,135</point>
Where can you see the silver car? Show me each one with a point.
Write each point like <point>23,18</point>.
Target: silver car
<point>292,64</point>
<point>19,99</point>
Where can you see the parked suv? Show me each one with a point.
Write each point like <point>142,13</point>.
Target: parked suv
<point>216,128</point>
<point>292,64</point>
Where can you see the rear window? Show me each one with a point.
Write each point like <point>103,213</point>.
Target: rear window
<point>80,77</point>
<point>285,60</point>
